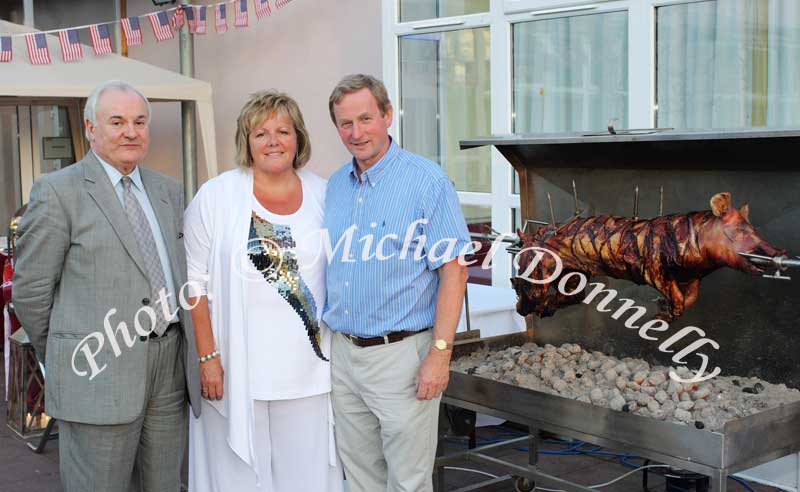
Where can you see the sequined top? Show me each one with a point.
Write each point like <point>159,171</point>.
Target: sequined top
<point>272,251</point>
<point>284,294</point>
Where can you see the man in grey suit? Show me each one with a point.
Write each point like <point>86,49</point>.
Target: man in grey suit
<point>100,263</point>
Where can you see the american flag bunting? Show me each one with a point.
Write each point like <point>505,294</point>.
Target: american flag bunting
<point>37,48</point>
<point>178,19</point>
<point>201,20</point>
<point>191,20</point>
<point>221,23</point>
<point>6,53</point>
<point>241,14</point>
<point>101,39</point>
<point>70,45</point>
<point>262,8</point>
<point>282,3</point>
<point>161,27</point>
<point>132,30</point>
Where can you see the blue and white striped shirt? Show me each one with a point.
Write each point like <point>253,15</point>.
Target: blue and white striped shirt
<point>389,232</point>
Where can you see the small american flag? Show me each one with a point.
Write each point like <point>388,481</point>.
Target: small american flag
<point>201,20</point>
<point>161,27</point>
<point>101,39</point>
<point>241,14</point>
<point>282,3</point>
<point>177,19</point>
<point>6,53</point>
<point>70,45</point>
<point>222,18</point>
<point>262,8</point>
<point>190,18</point>
<point>37,48</point>
<point>132,30</point>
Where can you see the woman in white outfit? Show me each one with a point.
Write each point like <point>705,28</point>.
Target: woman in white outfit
<point>256,262</point>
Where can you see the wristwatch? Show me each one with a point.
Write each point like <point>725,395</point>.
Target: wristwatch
<point>441,344</point>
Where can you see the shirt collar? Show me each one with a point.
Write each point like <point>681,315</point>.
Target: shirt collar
<point>374,173</point>
<point>115,176</point>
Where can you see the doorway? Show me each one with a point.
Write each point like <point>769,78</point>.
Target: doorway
<point>36,137</point>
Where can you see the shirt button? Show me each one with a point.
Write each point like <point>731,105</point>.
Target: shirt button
<point>347,284</point>
<point>360,200</point>
<point>346,312</point>
<point>146,301</point>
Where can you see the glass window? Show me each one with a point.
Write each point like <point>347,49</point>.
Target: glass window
<point>444,98</point>
<point>13,11</point>
<point>516,220</point>
<point>479,220</point>
<point>571,73</point>
<point>413,10</point>
<point>728,64</point>
<point>11,197</point>
<point>51,130</point>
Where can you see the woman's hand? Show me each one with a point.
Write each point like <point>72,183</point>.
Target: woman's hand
<point>211,379</point>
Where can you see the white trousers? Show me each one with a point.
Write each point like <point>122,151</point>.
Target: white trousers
<point>293,450</point>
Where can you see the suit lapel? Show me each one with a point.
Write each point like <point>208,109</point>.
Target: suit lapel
<point>100,189</point>
<point>159,199</point>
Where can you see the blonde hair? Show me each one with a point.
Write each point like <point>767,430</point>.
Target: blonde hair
<point>261,106</point>
<point>354,83</point>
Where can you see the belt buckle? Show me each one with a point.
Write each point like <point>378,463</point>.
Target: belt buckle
<point>386,340</point>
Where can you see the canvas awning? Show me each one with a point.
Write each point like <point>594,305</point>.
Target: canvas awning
<point>77,79</point>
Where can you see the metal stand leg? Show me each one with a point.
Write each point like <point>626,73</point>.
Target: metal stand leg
<point>39,448</point>
<point>719,481</point>
<point>533,447</point>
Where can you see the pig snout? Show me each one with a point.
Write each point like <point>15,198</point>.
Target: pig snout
<point>747,240</point>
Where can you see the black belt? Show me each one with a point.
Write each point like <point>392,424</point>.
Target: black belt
<point>392,337</point>
<point>171,326</point>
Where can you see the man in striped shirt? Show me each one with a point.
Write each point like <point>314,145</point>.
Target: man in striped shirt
<point>395,282</point>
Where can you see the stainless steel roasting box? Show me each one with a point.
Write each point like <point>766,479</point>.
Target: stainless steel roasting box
<point>741,444</point>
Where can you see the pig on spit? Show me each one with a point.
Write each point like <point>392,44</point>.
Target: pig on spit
<point>671,253</point>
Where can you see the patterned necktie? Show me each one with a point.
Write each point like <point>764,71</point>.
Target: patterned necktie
<point>147,247</point>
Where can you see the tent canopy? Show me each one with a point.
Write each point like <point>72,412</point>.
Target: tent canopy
<point>77,79</point>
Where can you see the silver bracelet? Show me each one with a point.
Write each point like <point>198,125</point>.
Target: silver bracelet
<point>207,357</point>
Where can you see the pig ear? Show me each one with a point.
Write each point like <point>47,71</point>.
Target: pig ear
<point>720,203</point>
<point>744,210</point>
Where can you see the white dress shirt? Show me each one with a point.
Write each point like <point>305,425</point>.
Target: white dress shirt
<point>141,194</point>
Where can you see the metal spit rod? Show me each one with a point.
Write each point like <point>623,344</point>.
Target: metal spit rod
<point>781,263</point>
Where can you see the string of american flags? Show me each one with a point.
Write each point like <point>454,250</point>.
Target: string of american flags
<point>164,24</point>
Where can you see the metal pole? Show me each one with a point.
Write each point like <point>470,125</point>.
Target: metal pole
<point>118,27</point>
<point>27,13</point>
<point>187,114</point>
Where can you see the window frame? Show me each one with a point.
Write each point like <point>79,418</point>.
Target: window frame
<point>500,18</point>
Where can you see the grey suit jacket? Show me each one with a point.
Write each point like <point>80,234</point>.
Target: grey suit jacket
<point>76,260</point>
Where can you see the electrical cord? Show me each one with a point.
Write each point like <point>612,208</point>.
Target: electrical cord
<point>574,449</point>
<point>480,472</point>
<point>606,484</point>
<point>744,483</point>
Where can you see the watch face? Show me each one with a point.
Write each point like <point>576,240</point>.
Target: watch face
<point>440,344</point>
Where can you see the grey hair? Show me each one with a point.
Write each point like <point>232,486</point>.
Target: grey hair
<point>90,110</point>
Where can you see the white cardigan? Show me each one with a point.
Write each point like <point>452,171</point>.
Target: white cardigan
<point>216,227</point>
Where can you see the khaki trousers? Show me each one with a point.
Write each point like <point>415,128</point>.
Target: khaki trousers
<point>386,437</point>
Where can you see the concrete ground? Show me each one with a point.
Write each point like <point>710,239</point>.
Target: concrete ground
<point>23,471</point>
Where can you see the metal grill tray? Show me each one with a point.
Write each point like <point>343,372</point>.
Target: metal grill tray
<point>741,444</point>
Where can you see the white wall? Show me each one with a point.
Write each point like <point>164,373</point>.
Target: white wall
<point>302,49</point>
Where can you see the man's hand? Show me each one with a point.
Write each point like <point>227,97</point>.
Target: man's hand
<point>433,374</point>
<point>211,379</point>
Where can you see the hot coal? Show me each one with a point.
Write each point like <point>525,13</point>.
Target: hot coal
<point>629,385</point>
